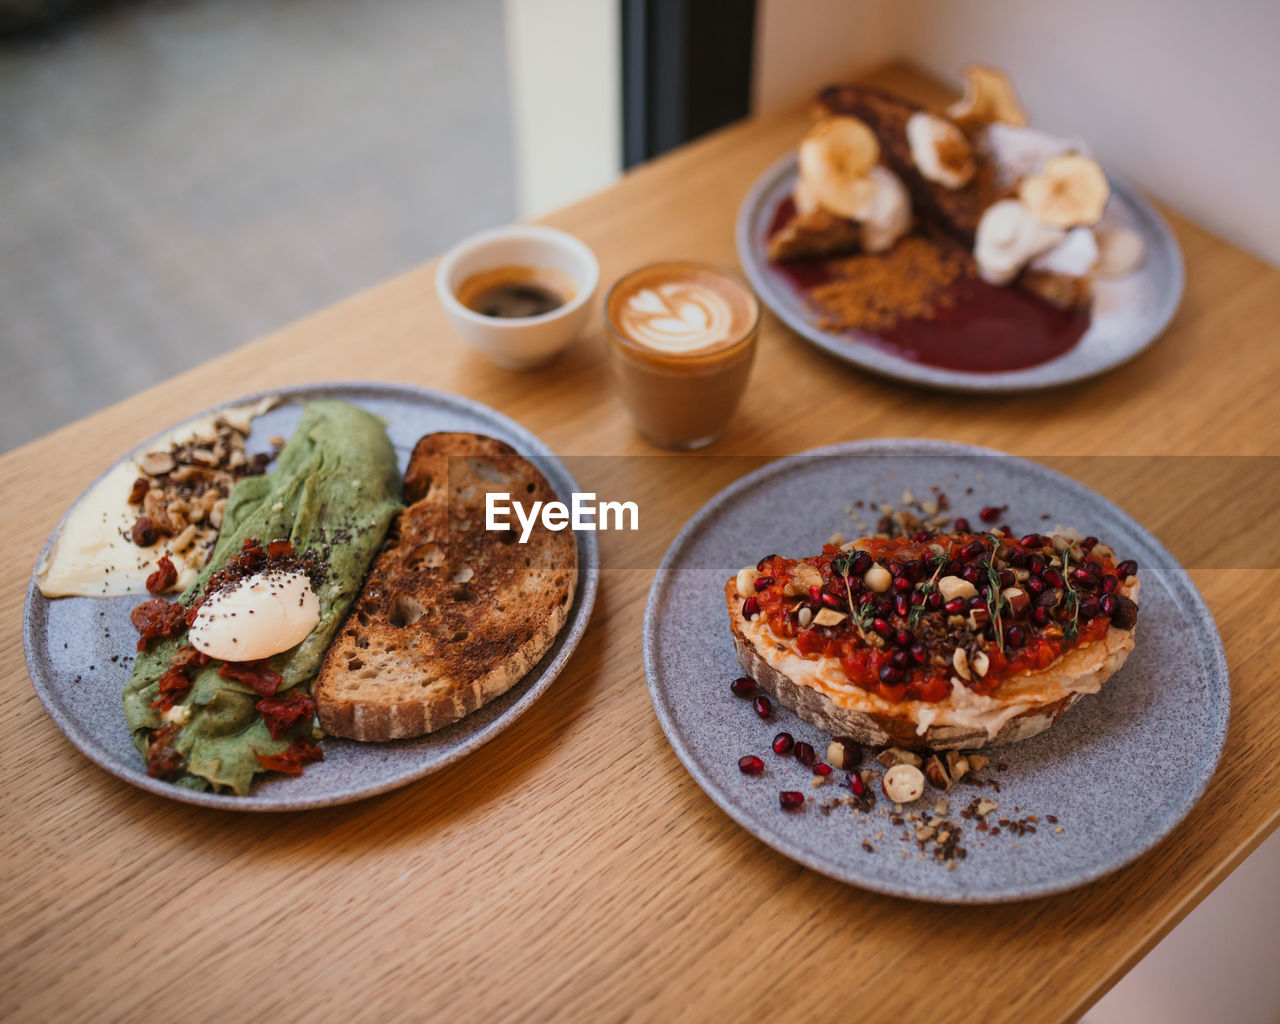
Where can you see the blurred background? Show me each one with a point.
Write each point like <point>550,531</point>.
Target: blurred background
<point>181,176</point>
<point>178,177</point>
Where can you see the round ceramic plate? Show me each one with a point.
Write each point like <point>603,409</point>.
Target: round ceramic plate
<point>74,646</point>
<point>1128,314</point>
<point>1118,772</point>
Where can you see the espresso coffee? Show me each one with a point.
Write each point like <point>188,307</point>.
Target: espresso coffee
<point>684,338</point>
<point>515,292</point>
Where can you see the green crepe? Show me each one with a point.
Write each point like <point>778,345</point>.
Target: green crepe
<point>333,493</point>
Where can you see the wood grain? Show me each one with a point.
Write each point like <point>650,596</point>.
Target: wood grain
<point>571,869</point>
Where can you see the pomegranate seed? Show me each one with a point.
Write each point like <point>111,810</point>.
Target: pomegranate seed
<point>903,638</point>
<point>805,753</point>
<point>1108,603</point>
<point>866,599</point>
<point>763,706</point>
<point>1054,578</point>
<point>934,600</point>
<point>855,784</point>
<point>1084,576</point>
<point>917,598</point>
<point>1089,543</point>
<point>1126,568</point>
<point>764,582</point>
<point>1014,636</point>
<point>955,605</point>
<point>750,608</point>
<point>890,674</point>
<point>896,570</point>
<point>1109,584</point>
<point>761,564</point>
<point>918,654</point>
<point>984,592</point>
<point>1034,584</point>
<point>831,601</point>
<point>815,595</point>
<point>971,573</point>
<point>1040,616</point>
<point>783,744</point>
<point>1036,564</point>
<point>902,583</point>
<point>1007,578</point>
<point>971,550</point>
<point>743,686</point>
<point>822,768</point>
<point>922,536</point>
<point>902,603</point>
<point>961,525</point>
<point>750,765</point>
<point>791,799</point>
<point>1090,608</point>
<point>861,563</point>
<point>882,627</point>
<point>1094,568</point>
<point>991,513</point>
<point>899,658</point>
<point>1031,540</point>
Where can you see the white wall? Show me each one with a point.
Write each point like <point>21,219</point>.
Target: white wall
<point>804,44</point>
<point>565,64</point>
<point>1179,96</point>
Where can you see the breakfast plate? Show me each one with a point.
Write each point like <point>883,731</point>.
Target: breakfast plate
<point>1128,313</point>
<point>1104,785</point>
<point>78,649</point>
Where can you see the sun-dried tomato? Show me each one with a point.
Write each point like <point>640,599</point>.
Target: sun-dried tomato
<point>254,674</point>
<point>158,617</point>
<point>302,753</point>
<point>280,715</point>
<point>173,686</point>
<point>188,657</point>
<point>177,679</point>
<point>279,548</point>
<point>163,762</point>
<point>165,576</point>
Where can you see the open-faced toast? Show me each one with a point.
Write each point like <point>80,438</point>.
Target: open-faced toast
<point>1005,636</point>
<point>452,615</point>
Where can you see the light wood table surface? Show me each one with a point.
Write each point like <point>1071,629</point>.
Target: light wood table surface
<point>572,869</point>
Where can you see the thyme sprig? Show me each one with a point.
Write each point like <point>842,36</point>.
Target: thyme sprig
<point>1070,628</point>
<point>842,566</point>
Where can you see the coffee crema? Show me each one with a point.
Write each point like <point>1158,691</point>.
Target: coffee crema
<point>515,292</point>
<point>683,340</point>
<point>681,309</point>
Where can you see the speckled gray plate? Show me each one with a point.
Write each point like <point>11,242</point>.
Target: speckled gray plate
<point>1129,313</point>
<point>1119,771</point>
<point>78,637</point>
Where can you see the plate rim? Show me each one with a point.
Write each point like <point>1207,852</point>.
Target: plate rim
<point>866,357</point>
<point>523,439</point>
<point>775,838</point>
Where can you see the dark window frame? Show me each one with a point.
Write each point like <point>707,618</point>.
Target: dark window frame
<point>686,70</point>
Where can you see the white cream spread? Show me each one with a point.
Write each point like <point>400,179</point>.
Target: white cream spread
<point>261,615</point>
<point>93,554</point>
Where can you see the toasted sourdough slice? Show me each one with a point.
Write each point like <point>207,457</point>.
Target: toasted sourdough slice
<point>956,210</point>
<point>451,615</point>
<point>1022,705</point>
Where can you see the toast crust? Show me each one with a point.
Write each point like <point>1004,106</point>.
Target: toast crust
<point>452,615</point>
<point>1039,700</point>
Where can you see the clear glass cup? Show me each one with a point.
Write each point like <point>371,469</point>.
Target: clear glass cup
<point>682,337</point>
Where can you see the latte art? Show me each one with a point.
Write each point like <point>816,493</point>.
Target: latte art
<point>676,316</point>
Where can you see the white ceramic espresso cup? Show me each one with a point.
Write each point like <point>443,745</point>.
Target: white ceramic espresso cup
<point>519,343</point>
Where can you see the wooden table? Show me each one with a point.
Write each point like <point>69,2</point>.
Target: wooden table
<point>571,869</point>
